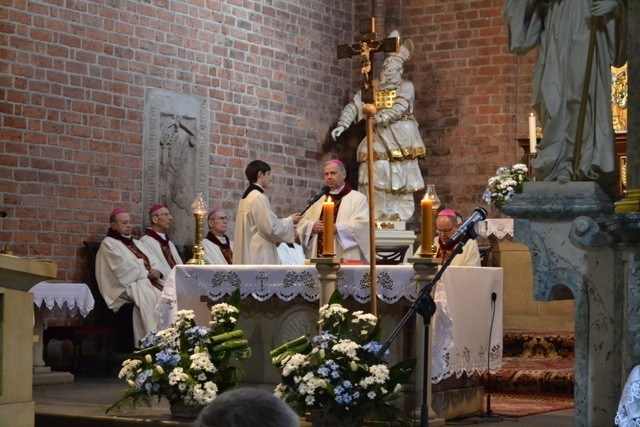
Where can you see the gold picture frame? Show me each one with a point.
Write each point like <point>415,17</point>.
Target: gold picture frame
<point>619,92</point>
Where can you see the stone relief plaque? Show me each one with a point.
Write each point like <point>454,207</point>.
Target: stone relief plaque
<point>175,153</point>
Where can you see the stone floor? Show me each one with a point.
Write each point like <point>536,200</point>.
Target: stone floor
<point>84,401</point>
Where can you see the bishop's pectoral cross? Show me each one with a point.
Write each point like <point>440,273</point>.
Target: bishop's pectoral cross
<point>366,44</point>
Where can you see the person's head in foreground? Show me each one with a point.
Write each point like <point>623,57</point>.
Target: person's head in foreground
<point>247,407</point>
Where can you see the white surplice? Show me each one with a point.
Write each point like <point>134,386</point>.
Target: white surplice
<point>258,231</point>
<point>122,278</point>
<point>212,252</point>
<point>352,228</point>
<point>155,248</point>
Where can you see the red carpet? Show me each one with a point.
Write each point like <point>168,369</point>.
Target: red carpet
<point>521,405</point>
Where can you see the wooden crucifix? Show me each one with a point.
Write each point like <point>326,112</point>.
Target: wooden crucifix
<point>366,44</point>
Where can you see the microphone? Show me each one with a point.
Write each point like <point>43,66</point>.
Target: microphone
<point>324,191</point>
<point>467,228</point>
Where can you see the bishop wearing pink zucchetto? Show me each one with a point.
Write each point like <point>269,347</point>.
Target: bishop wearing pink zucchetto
<point>156,238</point>
<point>351,215</point>
<point>447,223</point>
<point>126,272</point>
<point>218,248</point>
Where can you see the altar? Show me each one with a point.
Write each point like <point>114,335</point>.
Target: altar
<point>279,304</point>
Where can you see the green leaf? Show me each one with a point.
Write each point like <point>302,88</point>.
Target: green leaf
<point>216,339</point>
<point>289,345</point>
<point>235,299</point>
<point>337,298</point>
<point>401,372</point>
<point>231,345</point>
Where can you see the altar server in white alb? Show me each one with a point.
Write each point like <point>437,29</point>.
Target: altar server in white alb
<point>218,248</point>
<point>258,230</point>
<point>351,218</point>
<point>157,240</point>
<point>127,272</point>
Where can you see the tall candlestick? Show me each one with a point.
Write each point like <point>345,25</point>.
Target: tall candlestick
<point>426,239</point>
<point>329,227</point>
<point>533,140</point>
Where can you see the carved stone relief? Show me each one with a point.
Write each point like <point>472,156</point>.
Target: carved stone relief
<point>176,130</point>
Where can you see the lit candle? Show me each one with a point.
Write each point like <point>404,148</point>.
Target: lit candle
<point>329,227</point>
<point>532,134</point>
<point>427,226</point>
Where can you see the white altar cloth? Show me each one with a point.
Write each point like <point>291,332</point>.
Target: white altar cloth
<point>69,298</point>
<point>62,300</point>
<point>466,313</point>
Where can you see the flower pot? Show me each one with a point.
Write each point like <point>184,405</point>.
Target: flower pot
<point>179,409</point>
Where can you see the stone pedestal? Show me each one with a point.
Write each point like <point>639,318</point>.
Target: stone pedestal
<point>520,310</point>
<point>16,339</point>
<point>571,258</point>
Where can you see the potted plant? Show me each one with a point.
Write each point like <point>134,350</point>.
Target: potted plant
<point>337,377</point>
<point>505,184</point>
<point>186,364</point>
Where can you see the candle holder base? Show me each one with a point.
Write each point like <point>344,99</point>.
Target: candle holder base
<point>197,261</point>
<point>432,255</point>
<point>327,256</point>
<point>429,259</point>
<point>198,256</point>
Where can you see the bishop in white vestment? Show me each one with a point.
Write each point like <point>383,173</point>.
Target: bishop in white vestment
<point>218,248</point>
<point>127,272</point>
<point>157,240</point>
<point>351,218</point>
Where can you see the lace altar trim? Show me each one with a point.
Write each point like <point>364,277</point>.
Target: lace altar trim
<point>500,228</point>
<point>628,414</point>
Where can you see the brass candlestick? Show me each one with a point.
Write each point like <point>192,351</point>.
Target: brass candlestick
<point>199,209</point>
<point>435,204</point>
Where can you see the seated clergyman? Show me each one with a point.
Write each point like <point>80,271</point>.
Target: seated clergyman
<point>156,238</point>
<point>447,223</point>
<point>127,272</point>
<point>218,248</point>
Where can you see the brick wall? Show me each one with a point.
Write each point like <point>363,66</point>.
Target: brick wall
<point>73,76</point>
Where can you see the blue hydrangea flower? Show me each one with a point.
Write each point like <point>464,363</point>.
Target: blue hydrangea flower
<point>168,357</point>
<point>374,347</point>
<point>196,333</point>
<point>149,340</point>
<point>323,339</point>
<point>142,378</point>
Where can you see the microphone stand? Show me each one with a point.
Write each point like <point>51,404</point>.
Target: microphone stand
<point>425,306</point>
<point>315,199</point>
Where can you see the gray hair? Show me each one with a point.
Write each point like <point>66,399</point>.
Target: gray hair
<point>247,407</point>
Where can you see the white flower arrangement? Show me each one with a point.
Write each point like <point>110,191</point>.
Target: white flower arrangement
<point>505,184</point>
<point>339,370</point>
<point>185,362</point>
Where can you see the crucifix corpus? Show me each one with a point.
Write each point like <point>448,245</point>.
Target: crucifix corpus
<point>365,45</point>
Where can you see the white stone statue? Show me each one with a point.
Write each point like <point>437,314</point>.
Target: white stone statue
<point>397,142</point>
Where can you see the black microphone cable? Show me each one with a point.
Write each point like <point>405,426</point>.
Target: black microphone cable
<point>489,412</point>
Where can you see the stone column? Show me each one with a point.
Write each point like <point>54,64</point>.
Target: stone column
<point>328,276</point>
<point>573,259</point>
